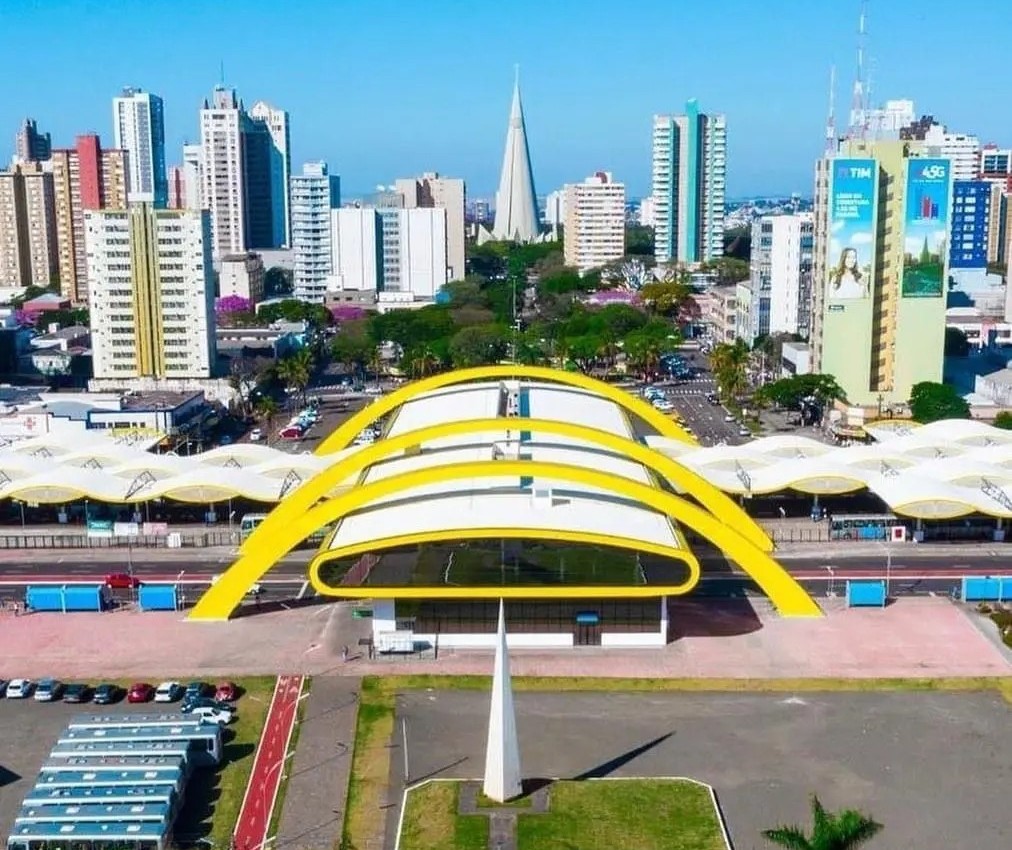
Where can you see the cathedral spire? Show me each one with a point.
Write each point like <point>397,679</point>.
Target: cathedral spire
<point>516,206</point>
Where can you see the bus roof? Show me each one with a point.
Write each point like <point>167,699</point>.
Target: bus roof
<point>124,831</point>
<point>45,795</point>
<point>140,733</point>
<point>121,748</point>
<point>113,721</point>
<point>119,778</point>
<point>107,764</point>
<point>96,812</point>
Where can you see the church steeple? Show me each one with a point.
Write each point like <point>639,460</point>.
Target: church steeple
<point>516,206</point>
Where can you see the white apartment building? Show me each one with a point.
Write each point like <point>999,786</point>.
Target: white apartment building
<point>315,193</point>
<point>688,173</point>
<point>150,293</point>
<point>276,121</point>
<point>193,189</point>
<point>595,222</point>
<point>961,149</point>
<point>398,253</point>
<point>448,193</point>
<point>780,276</point>
<point>139,129</point>
<point>241,275</point>
<point>886,121</point>
<point>222,171</point>
<point>646,212</point>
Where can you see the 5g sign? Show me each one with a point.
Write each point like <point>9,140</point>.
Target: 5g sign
<point>934,172</point>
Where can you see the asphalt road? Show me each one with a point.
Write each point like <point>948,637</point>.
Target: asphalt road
<point>822,572</point>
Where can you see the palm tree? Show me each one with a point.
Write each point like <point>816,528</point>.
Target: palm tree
<point>844,830</point>
<point>729,361</point>
<point>267,408</point>
<point>296,370</point>
<point>424,362</point>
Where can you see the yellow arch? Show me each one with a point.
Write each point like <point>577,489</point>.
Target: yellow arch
<point>509,592</point>
<point>346,433</point>
<point>789,597</point>
<point>711,497</point>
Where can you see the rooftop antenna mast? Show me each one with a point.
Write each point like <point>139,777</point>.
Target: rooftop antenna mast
<point>831,142</point>
<point>858,105</point>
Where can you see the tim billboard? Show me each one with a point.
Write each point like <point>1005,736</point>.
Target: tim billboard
<point>926,225</point>
<point>851,229</point>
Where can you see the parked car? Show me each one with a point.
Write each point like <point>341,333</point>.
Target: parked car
<point>374,390</point>
<point>122,580</point>
<point>226,692</point>
<point>107,694</point>
<point>77,692</point>
<point>19,688</point>
<point>729,417</point>
<point>256,435</point>
<point>290,432</point>
<point>195,690</point>
<point>140,692</point>
<point>744,432</point>
<point>48,690</point>
<point>168,692</point>
<point>209,714</point>
<point>189,706</point>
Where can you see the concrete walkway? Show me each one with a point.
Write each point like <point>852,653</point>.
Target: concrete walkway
<point>313,809</point>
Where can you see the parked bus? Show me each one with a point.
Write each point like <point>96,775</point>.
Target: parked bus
<point>200,742</point>
<point>52,794</point>
<point>89,836</point>
<point>130,721</point>
<point>97,813</point>
<point>114,749</point>
<point>106,766</point>
<point>862,526</point>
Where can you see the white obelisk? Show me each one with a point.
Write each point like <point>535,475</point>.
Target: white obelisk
<point>502,754</point>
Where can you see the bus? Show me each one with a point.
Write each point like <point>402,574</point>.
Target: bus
<point>89,836</point>
<point>129,721</point>
<point>62,813</point>
<point>863,526</point>
<point>51,794</point>
<point>200,742</point>
<point>248,523</point>
<point>114,749</point>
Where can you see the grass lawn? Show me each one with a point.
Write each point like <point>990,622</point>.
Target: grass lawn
<point>213,797</point>
<point>648,814</point>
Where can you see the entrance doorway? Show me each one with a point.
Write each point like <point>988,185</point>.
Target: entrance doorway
<point>588,629</point>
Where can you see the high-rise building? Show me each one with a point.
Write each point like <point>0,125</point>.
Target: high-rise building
<point>448,193</point>
<point>151,293</point>
<point>996,166</point>
<point>646,211</point>
<point>399,253</point>
<point>595,222</point>
<point>887,121</point>
<point>257,153</point>
<point>30,145</point>
<point>971,224</point>
<point>880,267</point>
<point>27,226</point>
<point>780,277</point>
<point>275,121</point>
<point>139,129</point>
<point>193,188</point>
<point>241,275</point>
<point>85,177</point>
<point>689,169</point>
<point>315,193</point>
<point>223,193</point>
<point>555,208</point>
<point>962,150</point>
<point>516,204</point>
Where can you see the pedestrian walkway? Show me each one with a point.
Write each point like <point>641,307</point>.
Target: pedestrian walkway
<point>313,811</point>
<point>268,765</point>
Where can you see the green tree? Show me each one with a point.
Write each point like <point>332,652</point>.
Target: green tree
<point>352,346</point>
<point>278,281</point>
<point>296,370</point>
<point>843,830</point>
<point>584,350</point>
<point>1003,420</point>
<point>639,241</point>
<point>789,392</point>
<point>728,269</point>
<point>930,402</point>
<point>478,345</point>
<point>266,408</point>
<point>956,343</point>
<point>665,297</point>
<point>729,362</point>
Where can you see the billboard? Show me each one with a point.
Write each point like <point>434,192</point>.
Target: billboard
<point>971,216</point>
<point>851,229</point>
<point>926,225</point>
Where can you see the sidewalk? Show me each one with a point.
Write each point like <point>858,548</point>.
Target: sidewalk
<point>313,811</point>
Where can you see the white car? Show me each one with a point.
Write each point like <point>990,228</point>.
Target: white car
<point>210,714</point>
<point>168,692</point>
<point>19,688</point>
<point>729,418</point>
<point>374,391</point>
<point>256,435</point>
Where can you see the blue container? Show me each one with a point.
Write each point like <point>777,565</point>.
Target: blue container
<point>158,597</point>
<point>866,594</point>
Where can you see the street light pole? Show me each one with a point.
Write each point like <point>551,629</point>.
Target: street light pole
<point>889,569</point>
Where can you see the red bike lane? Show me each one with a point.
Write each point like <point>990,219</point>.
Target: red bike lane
<point>268,765</point>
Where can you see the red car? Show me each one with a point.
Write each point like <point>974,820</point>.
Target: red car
<point>122,580</point>
<point>140,692</point>
<point>226,692</point>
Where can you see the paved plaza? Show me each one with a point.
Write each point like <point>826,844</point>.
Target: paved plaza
<point>713,639</point>
<point>933,767</point>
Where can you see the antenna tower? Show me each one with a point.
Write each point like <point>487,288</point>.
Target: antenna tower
<point>831,142</point>
<point>859,102</point>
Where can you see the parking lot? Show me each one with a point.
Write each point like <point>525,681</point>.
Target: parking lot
<point>932,767</point>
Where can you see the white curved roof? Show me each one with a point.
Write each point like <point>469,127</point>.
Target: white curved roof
<point>55,469</point>
<point>942,470</point>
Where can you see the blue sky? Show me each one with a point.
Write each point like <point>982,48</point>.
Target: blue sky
<point>388,88</point>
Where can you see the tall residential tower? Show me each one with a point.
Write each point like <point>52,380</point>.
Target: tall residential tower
<point>594,221</point>
<point>30,145</point>
<point>432,191</point>
<point>279,169</point>
<point>139,129</point>
<point>689,170</point>
<point>315,193</point>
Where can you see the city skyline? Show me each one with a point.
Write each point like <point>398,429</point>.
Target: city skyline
<point>350,104</point>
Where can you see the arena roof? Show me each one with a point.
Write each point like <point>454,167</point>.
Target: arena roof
<point>508,502</point>
<point>942,470</point>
